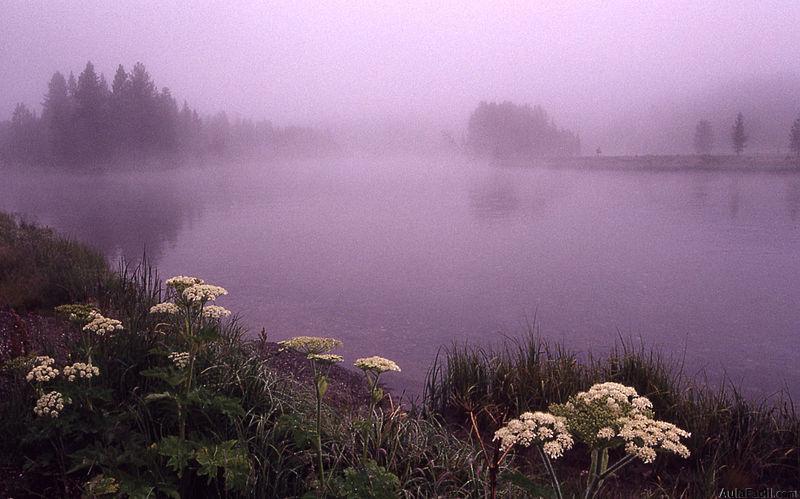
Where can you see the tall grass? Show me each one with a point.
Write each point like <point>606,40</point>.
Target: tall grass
<point>735,442</point>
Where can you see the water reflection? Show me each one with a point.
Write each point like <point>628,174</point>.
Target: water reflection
<point>494,202</point>
<point>120,215</point>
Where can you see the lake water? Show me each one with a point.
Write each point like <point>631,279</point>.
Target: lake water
<point>398,257</point>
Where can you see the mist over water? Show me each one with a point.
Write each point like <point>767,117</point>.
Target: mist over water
<point>399,255</point>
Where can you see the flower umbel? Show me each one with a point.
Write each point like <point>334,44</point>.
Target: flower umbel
<point>201,293</point>
<point>167,308</point>
<point>215,312</point>
<point>325,358</point>
<point>310,344</point>
<point>180,359</point>
<point>376,364</point>
<point>50,404</point>
<point>181,282</point>
<point>102,325</point>
<point>540,428</point>
<point>80,370</point>
<point>43,371</point>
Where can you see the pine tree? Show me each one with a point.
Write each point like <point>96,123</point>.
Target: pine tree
<point>738,136</point>
<point>57,116</point>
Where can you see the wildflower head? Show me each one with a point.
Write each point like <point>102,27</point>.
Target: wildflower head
<point>80,370</point>
<point>50,404</point>
<point>643,436</point>
<point>166,308</point>
<point>78,313</point>
<point>538,428</point>
<point>201,293</point>
<point>594,414</point>
<point>325,358</point>
<point>102,325</point>
<point>310,344</point>
<point>42,370</point>
<point>180,359</point>
<point>376,364</point>
<point>181,282</point>
<point>215,312</point>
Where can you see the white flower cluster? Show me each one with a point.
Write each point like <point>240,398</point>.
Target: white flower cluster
<point>43,371</point>
<point>215,312</point>
<point>80,370</point>
<point>376,364</point>
<point>102,325</point>
<point>201,293</point>
<point>541,428</point>
<point>180,359</point>
<point>50,404</point>
<point>181,282</point>
<point>643,435</point>
<point>620,399</point>
<point>164,308</point>
<point>325,358</point>
<point>606,433</point>
<point>310,344</point>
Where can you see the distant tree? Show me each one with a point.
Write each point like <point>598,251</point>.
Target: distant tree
<point>143,109</point>
<point>507,130</point>
<point>738,136</point>
<point>703,137</point>
<point>72,84</point>
<point>57,116</point>
<point>91,115</point>
<point>26,138</point>
<point>794,138</point>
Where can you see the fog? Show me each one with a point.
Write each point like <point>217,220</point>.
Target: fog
<point>628,77</point>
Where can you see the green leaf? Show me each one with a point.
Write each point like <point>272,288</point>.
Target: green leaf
<point>228,457</point>
<point>178,453</point>
<point>171,376</point>
<point>322,385</point>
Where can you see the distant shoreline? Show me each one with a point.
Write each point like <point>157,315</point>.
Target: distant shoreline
<point>679,163</point>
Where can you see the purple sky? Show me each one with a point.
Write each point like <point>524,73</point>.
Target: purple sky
<point>427,62</point>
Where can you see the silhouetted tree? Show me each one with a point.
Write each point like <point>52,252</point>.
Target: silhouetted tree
<point>91,115</point>
<point>794,138</point>
<point>703,137</point>
<point>25,135</point>
<point>57,114</point>
<point>738,136</point>
<point>508,129</point>
<point>85,121</point>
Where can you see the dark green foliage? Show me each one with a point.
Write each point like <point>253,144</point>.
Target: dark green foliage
<point>41,270</point>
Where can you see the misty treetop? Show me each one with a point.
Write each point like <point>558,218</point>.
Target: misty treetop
<point>510,130</point>
<point>83,121</point>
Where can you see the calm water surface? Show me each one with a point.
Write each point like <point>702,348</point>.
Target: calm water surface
<point>398,257</point>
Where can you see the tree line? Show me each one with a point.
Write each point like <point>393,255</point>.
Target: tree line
<point>511,130</point>
<point>85,121</point>
<point>704,137</point>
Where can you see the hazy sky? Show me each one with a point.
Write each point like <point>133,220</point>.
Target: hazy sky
<point>329,62</point>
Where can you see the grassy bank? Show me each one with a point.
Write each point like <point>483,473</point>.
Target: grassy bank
<point>169,397</point>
